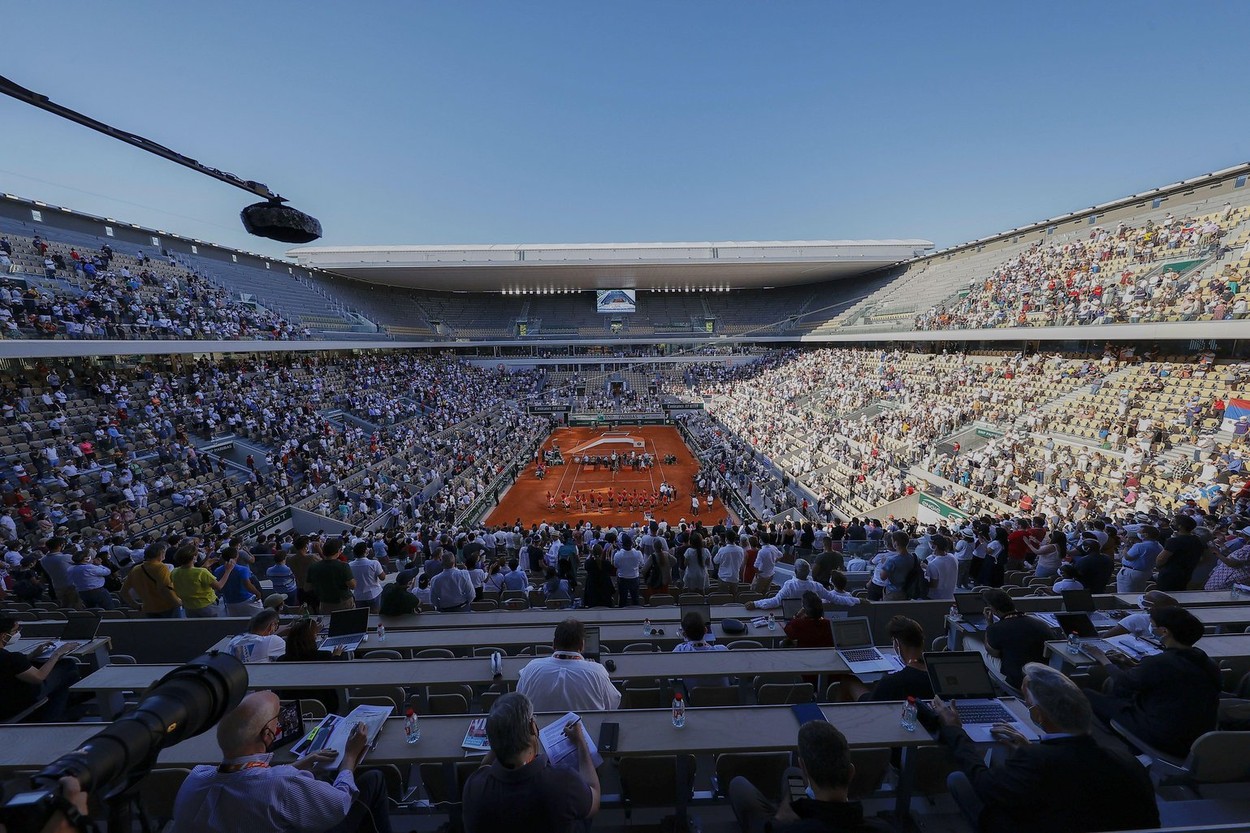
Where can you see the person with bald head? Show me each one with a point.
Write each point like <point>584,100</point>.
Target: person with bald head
<point>249,792</point>
<point>1138,624</point>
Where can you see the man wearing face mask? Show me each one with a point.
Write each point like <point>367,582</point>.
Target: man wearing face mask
<point>248,791</point>
<point>22,684</point>
<point>1169,699</point>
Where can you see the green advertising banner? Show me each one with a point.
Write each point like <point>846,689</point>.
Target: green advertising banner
<point>933,510</point>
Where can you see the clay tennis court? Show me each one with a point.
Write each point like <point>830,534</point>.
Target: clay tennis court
<point>527,498</point>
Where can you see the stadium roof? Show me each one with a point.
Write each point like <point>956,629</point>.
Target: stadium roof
<point>529,267</point>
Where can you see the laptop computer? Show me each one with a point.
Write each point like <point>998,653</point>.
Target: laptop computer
<point>591,651</point>
<point>791,608</point>
<point>79,629</point>
<point>704,610</point>
<point>971,607</point>
<point>1077,623</point>
<point>1082,601</point>
<point>347,628</point>
<point>961,676</point>
<point>852,638</point>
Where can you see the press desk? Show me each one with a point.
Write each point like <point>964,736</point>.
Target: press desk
<point>518,637</point>
<point>94,652</point>
<point>1233,648</point>
<point>1188,598</point>
<point>642,732</point>
<point>110,682</point>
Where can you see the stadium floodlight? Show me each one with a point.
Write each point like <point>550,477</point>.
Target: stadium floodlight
<point>271,218</point>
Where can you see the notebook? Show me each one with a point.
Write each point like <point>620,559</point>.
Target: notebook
<point>852,637</point>
<point>961,676</point>
<point>347,628</point>
<point>333,732</point>
<point>79,629</point>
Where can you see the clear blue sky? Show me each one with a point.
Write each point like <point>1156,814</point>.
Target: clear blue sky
<point>513,122</point>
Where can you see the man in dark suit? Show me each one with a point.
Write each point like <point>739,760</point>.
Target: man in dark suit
<point>1066,782</point>
<point>1169,699</point>
<point>1093,568</point>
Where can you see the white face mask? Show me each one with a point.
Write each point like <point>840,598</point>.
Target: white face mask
<point>16,635</point>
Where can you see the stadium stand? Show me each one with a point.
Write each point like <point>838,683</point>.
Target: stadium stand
<point>1042,465</point>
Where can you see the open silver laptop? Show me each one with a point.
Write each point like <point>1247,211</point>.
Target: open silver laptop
<point>79,629</point>
<point>852,638</point>
<point>961,676</point>
<point>347,628</point>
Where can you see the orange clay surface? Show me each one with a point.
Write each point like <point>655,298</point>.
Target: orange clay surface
<point>527,499</point>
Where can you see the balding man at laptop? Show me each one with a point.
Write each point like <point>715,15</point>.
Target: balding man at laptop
<point>567,681</point>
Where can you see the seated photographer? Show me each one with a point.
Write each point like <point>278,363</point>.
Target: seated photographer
<point>247,792</point>
<point>1066,782</point>
<point>825,763</point>
<point>22,684</point>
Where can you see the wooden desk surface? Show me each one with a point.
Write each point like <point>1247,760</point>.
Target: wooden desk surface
<point>27,644</point>
<point>542,616</point>
<point>642,732</point>
<point>518,637</point>
<point>1188,598</point>
<point>476,670</point>
<point>1216,646</point>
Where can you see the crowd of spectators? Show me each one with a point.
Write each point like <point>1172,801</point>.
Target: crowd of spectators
<point>1107,278</point>
<point>107,294</point>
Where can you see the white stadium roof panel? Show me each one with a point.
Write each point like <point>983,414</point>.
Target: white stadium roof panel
<point>493,267</point>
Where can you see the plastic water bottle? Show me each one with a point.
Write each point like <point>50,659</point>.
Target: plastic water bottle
<point>646,627</point>
<point>908,720</point>
<point>412,729</point>
<point>381,633</point>
<point>679,710</point>
<point>772,622</point>
<point>1074,643</point>
<point>954,614</point>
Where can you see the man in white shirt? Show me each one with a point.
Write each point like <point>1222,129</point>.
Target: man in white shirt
<point>1138,624</point>
<point>765,566</point>
<point>567,681</point>
<point>728,561</point>
<point>942,568</point>
<point>800,584</point>
<point>628,563</point>
<point>263,641</point>
<point>369,576</point>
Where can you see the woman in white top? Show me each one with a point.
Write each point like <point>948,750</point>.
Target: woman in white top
<point>1050,553</point>
<point>494,582</point>
<point>694,577</point>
